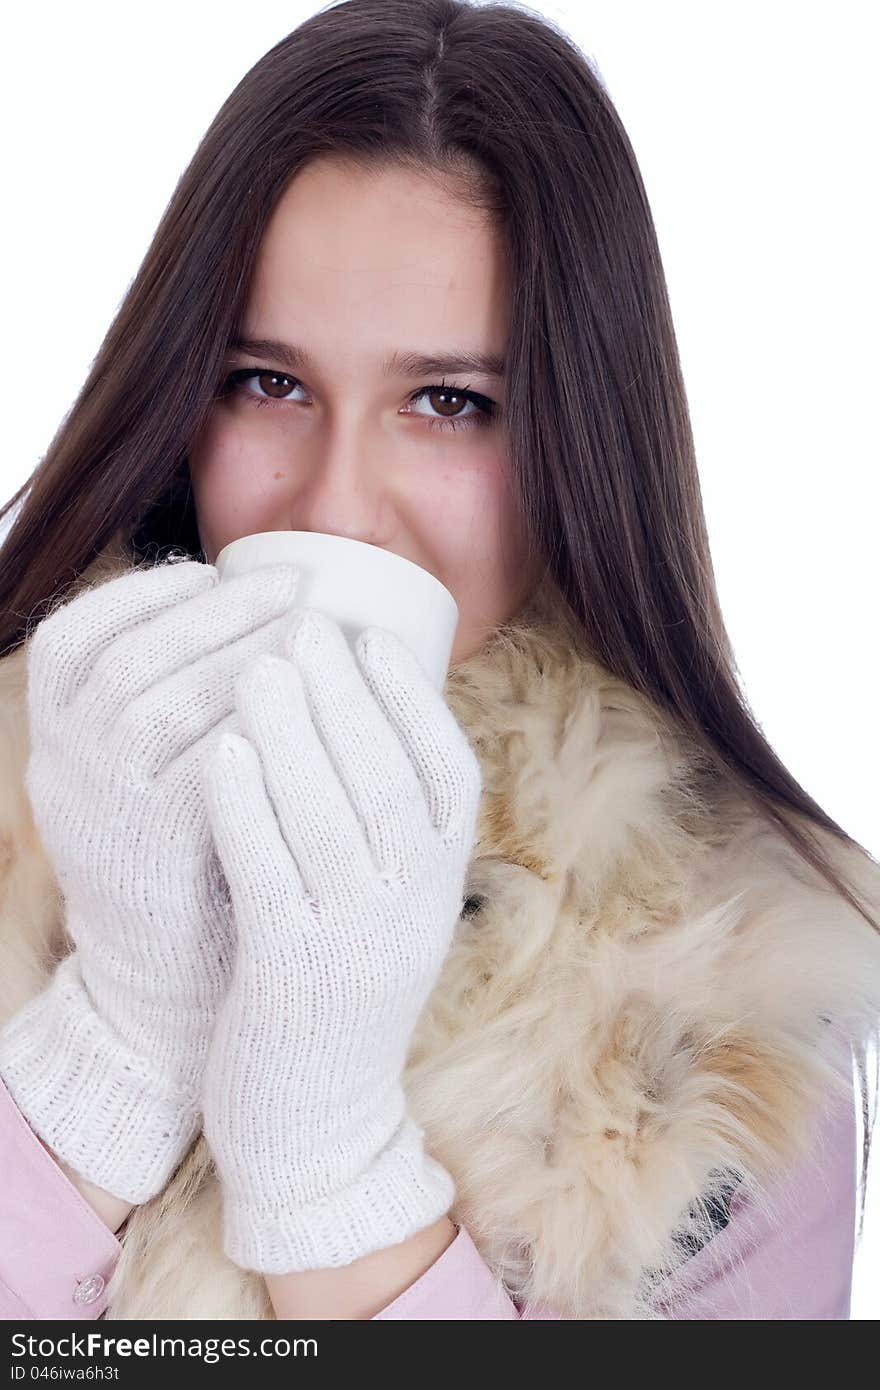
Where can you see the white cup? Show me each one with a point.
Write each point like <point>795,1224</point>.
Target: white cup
<point>359,586</point>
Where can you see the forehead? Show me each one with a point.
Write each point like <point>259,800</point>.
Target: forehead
<point>384,255</point>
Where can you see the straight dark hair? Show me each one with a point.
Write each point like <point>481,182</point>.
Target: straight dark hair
<point>508,114</point>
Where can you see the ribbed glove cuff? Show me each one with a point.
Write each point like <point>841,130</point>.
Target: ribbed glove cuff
<point>403,1191</point>
<point>96,1103</point>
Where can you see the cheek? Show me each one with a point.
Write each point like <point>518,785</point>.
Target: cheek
<point>231,480</point>
<point>476,501</point>
<point>485,563</point>
<point>469,523</point>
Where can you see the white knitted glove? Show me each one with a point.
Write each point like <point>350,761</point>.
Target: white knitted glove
<point>127,685</point>
<point>344,821</point>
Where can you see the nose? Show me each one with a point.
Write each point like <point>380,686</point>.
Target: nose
<point>341,490</point>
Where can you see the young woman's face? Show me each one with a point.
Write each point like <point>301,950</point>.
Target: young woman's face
<point>353,268</point>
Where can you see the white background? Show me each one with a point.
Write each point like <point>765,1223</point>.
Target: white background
<point>755,127</point>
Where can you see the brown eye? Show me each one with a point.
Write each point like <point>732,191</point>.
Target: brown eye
<point>273,386</point>
<point>450,401</point>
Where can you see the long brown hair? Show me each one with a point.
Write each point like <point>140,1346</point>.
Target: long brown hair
<point>503,107</point>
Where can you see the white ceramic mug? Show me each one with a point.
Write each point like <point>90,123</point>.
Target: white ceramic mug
<point>359,586</point>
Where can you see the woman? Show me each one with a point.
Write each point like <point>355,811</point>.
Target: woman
<point>592,1057</point>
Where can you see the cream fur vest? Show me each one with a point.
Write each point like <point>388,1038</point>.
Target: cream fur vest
<point>636,1004</point>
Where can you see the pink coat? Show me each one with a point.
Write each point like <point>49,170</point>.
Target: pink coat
<point>789,1258</point>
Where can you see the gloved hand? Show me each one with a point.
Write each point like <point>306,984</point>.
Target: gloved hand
<point>128,685</point>
<point>344,820</point>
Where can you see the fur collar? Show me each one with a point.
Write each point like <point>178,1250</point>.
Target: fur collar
<point>636,1005</point>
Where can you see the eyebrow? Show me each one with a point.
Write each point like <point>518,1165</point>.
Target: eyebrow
<point>400,363</point>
